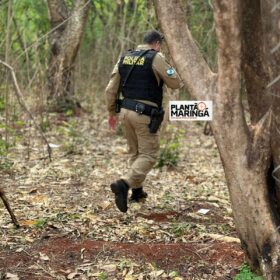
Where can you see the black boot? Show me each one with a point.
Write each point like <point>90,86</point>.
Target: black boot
<point>120,189</point>
<point>138,195</point>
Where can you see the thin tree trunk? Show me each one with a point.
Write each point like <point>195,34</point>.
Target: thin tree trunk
<point>65,44</point>
<point>7,58</point>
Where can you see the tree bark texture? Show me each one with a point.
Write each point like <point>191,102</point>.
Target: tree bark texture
<point>254,64</point>
<point>271,28</point>
<point>245,150</point>
<point>65,42</point>
<point>261,66</point>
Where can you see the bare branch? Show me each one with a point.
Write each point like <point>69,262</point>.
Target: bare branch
<point>24,106</point>
<point>274,81</point>
<point>275,49</point>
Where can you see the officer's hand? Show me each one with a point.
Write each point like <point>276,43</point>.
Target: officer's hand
<point>113,121</point>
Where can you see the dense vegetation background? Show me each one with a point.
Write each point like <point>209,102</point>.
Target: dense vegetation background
<point>112,27</point>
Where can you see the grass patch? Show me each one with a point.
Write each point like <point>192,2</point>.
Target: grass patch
<point>246,274</point>
<point>39,224</point>
<point>169,153</point>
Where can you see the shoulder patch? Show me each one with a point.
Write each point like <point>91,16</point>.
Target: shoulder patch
<point>170,71</point>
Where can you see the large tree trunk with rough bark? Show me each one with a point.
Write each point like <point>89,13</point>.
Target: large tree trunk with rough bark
<point>260,61</point>
<point>271,44</point>
<point>65,42</point>
<point>246,157</point>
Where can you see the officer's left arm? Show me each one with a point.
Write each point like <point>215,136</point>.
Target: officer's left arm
<point>167,73</point>
<point>112,90</point>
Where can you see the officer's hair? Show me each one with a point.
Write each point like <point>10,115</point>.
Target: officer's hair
<point>152,37</point>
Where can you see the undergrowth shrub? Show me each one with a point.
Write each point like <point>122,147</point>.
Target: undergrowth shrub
<point>170,149</point>
<point>246,274</point>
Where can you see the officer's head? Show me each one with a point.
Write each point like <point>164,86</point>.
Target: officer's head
<point>154,39</point>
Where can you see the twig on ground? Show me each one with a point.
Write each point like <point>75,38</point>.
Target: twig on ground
<point>7,205</point>
<point>195,253</point>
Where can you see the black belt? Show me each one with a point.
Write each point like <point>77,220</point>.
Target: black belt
<point>138,107</point>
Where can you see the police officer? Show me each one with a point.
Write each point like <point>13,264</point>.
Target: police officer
<point>139,75</point>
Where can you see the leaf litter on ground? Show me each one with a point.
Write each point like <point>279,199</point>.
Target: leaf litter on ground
<point>70,196</point>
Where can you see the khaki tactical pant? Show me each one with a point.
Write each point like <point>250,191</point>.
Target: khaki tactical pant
<point>143,146</point>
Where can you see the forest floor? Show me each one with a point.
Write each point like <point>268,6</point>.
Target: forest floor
<point>71,229</point>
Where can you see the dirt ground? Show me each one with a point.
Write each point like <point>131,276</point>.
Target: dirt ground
<point>58,257</point>
<point>71,229</point>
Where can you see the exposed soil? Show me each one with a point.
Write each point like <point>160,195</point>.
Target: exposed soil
<point>66,253</point>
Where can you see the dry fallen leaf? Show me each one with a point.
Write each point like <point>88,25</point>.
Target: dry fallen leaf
<point>156,273</point>
<point>203,211</point>
<point>109,268</point>
<point>11,276</point>
<point>129,277</point>
<point>28,222</point>
<point>224,238</point>
<point>106,205</point>
<point>72,275</point>
<point>44,257</point>
<point>19,250</point>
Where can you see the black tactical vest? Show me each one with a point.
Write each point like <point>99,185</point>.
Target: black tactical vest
<point>142,83</point>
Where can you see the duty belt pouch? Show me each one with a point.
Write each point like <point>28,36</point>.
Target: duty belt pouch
<point>156,119</point>
<point>118,105</point>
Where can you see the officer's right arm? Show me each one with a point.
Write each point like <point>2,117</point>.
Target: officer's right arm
<point>112,90</point>
<point>167,73</point>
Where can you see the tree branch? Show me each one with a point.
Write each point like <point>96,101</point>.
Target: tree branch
<point>192,67</point>
<point>24,106</point>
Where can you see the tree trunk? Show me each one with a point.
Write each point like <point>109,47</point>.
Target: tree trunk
<point>261,60</point>
<point>65,42</point>
<point>253,60</point>
<point>246,160</point>
<point>271,45</point>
